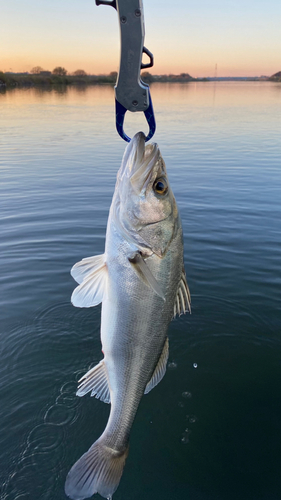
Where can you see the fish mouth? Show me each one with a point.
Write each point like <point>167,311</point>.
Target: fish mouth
<point>145,158</point>
<point>132,156</point>
<point>138,162</point>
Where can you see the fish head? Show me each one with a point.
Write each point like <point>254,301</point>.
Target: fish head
<point>146,203</point>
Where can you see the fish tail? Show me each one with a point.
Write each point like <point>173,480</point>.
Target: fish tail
<point>99,470</point>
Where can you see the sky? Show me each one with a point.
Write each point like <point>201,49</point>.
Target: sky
<point>238,37</point>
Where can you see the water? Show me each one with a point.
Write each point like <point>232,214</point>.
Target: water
<point>211,429</point>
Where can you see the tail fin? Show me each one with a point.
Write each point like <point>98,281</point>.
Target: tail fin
<point>97,471</point>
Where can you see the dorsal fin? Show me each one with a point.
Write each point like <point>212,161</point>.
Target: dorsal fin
<point>91,273</point>
<point>95,380</point>
<point>160,369</point>
<point>183,299</point>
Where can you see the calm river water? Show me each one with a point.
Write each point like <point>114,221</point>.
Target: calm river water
<point>211,429</point>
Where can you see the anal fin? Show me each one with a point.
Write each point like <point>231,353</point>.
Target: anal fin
<point>160,369</point>
<point>96,382</point>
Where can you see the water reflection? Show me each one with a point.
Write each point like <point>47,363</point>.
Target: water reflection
<point>216,414</point>
<point>195,93</point>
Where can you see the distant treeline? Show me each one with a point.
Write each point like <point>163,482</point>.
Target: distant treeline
<point>182,77</point>
<point>47,78</point>
<point>59,76</point>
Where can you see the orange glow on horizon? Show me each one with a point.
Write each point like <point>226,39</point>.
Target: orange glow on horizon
<point>240,38</point>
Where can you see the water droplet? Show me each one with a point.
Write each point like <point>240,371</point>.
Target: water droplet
<point>186,394</point>
<point>180,404</point>
<point>172,365</point>
<point>185,436</point>
<point>192,419</point>
<point>195,365</point>
<point>185,439</point>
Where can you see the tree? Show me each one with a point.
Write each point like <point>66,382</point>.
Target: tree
<point>80,72</point>
<point>146,77</point>
<point>36,70</point>
<point>59,71</point>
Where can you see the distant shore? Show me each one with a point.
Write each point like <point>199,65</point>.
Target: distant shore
<point>12,80</point>
<point>46,79</point>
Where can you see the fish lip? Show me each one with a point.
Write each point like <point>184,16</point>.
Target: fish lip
<point>132,152</point>
<point>140,175</point>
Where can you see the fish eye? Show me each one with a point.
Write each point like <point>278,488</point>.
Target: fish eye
<point>160,186</point>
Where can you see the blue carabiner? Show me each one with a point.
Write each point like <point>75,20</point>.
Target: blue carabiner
<point>120,115</point>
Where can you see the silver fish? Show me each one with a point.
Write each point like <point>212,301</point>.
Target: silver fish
<point>140,280</point>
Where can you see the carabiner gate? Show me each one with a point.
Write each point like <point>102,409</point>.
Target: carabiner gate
<point>120,115</point>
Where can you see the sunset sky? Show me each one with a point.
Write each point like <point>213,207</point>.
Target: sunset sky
<point>241,37</point>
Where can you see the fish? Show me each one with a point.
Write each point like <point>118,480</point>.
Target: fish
<point>141,282</point>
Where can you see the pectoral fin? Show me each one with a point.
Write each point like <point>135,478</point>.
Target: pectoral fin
<point>183,299</point>
<point>160,369</point>
<point>81,270</point>
<point>143,271</point>
<point>96,382</point>
<point>91,273</point>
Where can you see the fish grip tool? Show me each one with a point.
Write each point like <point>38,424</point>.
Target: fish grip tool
<point>131,93</point>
